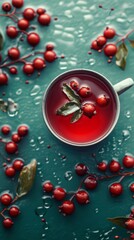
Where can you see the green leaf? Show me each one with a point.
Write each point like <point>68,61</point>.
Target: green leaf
<point>1,42</point>
<point>68,108</point>
<point>131,43</point>
<point>120,221</point>
<point>72,96</point>
<point>76,116</point>
<point>26,178</point>
<point>121,55</point>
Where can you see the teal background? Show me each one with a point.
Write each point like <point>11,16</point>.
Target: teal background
<point>79,22</point>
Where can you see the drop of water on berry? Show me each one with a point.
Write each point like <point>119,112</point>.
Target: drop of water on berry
<point>68,175</point>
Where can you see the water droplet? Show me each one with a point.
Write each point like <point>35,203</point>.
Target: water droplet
<point>68,175</point>
<point>40,211</point>
<point>35,90</point>
<point>126,134</point>
<point>19,91</point>
<point>12,108</point>
<point>47,201</point>
<point>128,114</point>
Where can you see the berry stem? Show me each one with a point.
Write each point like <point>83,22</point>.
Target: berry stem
<point>123,174</point>
<point>10,15</point>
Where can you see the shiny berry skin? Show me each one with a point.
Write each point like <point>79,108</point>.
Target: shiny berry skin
<point>16,138</point>
<point>49,47</point>
<point>39,63</point>
<point>13,70</point>
<point>95,45</point>
<point>116,189</point>
<point>44,19</point>
<point>131,187</point>
<point>23,130</point>
<point>89,109</point>
<point>82,197</point>
<point>40,11</point>
<point>130,224</point>
<point>28,68</point>
<point>102,166</point>
<point>14,53</point>
<point>84,92</point>
<point>8,223</point>
<point>23,24</point>
<point>12,32</point>
<point>5,129</point>
<point>29,14</point>
<point>33,39</point>
<point>10,172</point>
<point>11,147</point>
<point>90,183</point>
<point>74,85</point>
<point>101,41</point>
<point>18,164</point>
<point>6,7</point>
<point>110,50</point>
<point>103,100</point>
<point>17,3</point>
<point>3,79</point>
<point>59,193</point>
<point>128,161</point>
<point>114,166</point>
<point>67,207</point>
<point>109,33</point>
<point>48,187</point>
<point>14,211</point>
<point>81,169</point>
<point>6,199</point>
<point>50,56</point>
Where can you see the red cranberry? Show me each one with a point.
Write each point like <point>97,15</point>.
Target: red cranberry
<point>39,63</point>
<point>13,70</point>
<point>29,14</point>
<point>128,161</point>
<point>23,24</point>
<point>18,164</point>
<point>131,187</point>
<point>33,39</point>
<point>40,11</point>
<point>95,45</point>
<point>28,68</point>
<point>48,186</point>
<point>16,138</point>
<point>5,129</point>
<point>8,223</point>
<point>44,19</point>
<point>59,193</point>
<point>82,197</point>
<point>74,85</point>
<point>49,47</point>
<point>50,56</point>
<point>22,130</point>
<point>14,53</point>
<point>6,199</point>
<point>11,147</point>
<point>116,189</point>
<point>3,79</point>
<point>102,166</point>
<point>17,3</point>
<point>101,41</point>
<point>67,207</point>
<point>110,50</point>
<point>6,7</point>
<point>12,32</point>
<point>109,33</point>
<point>14,211</point>
<point>130,224</point>
<point>103,100</point>
<point>85,91</point>
<point>10,172</point>
<point>89,109</point>
<point>90,182</point>
<point>81,169</point>
<point>114,166</point>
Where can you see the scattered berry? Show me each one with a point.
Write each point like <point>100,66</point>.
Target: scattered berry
<point>81,169</point>
<point>130,224</point>
<point>12,32</point>
<point>40,11</point>
<point>3,79</point>
<point>6,7</point>
<point>128,161</point>
<point>103,100</point>
<point>109,33</point>
<point>67,207</point>
<point>74,85</point>
<point>13,70</point>
<point>10,172</point>
<point>59,193</point>
<point>110,50</point>
<point>49,47</point>
<point>28,68</point>
<point>131,187</point>
<point>90,182</point>
<point>18,164</point>
<point>82,197</point>
<point>33,39</point>
<point>14,53</point>
<point>102,166</point>
<point>5,129</point>
<point>39,63</point>
<point>44,19</point>
<point>84,91</point>
<point>114,166</point>
<point>6,199</point>
<point>48,186</point>
<point>11,147</point>
<point>116,189</point>
<point>14,211</point>
<point>18,3</point>
<point>95,45</point>
<point>29,14</point>
<point>16,138</point>
<point>89,109</point>
<point>7,223</point>
<point>22,130</point>
<point>101,41</point>
<point>23,24</point>
<point>50,56</point>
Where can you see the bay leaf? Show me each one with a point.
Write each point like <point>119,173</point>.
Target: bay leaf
<point>76,116</point>
<point>26,178</point>
<point>121,55</point>
<point>72,96</point>
<point>68,108</point>
<point>1,42</point>
<point>120,221</point>
<point>131,43</point>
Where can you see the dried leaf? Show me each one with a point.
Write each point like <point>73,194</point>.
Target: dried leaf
<point>1,42</point>
<point>120,221</point>
<point>26,178</point>
<point>3,105</point>
<point>121,55</point>
<point>72,96</point>
<point>76,116</point>
<point>131,43</point>
<point>68,108</point>
<point>8,105</point>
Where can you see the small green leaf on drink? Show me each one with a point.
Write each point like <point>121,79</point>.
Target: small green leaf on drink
<point>121,56</point>
<point>76,116</point>
<point>120,221</point>
<point>72,96</point>
<point>68,108</point>
<point>1,42</point>
<point>131,43</point>
<point>26,178</point>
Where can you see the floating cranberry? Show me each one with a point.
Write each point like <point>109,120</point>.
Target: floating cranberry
<point>130,224</point>
<point>89,109</point>
<point>102,166</point>
<point>67,207</point>
<point>49,47</point>
<point>103,100</point>
<point>10,172</point>
<point>50,56</point>
<point>44,19</point>
<point>6,199</point>
<point>5,129</point>
<point>101,41</point>
<point>13,70</point>
<point>3,79</point>
<point>16,138</point>
<point>74,85</point>
<point>40,11</point>
<point>109,33</point>
<point>114,166</point>
<point>28,68</point>
<point>6,7</point>
<point>110,50</point>
<point>14,211</point>
<point>23,24</point>
<point>18,164</point>
<point>17,3</point>
<point>131,187</point>
<point>82,197</point>
<point>14,53</point>
<point>8,223</point>
<point>95,45</point>
<point>12,32</point>
<point>128,161</point>
<point>48,187</point>
<point>116,189</point>
<point>39,63</point>
<point>81,169</point>
<point>90,182</point>
<point>23,130</point>
<point>85,92</point>
<point>29,14</point>
<point>11,147</point>
<point>33,39</point>
<point>59,193</point>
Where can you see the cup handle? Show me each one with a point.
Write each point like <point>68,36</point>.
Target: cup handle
<point>123,85</point>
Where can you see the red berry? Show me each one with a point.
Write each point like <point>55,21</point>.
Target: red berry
<point>49,47</point>
<point>6,199</point>
<point>95,45</point>
<point>5,129</point>
<point>18,164</point>
<point>101,41</point>
<point>50,56</point>
<point>14,211</point>
<point>10,172</point>
<point>82,197</point>
<point>116,189</point>
<point>128,161</point>
<point>14,53</point>
<point>90,182</point>
<point>109,33</point>
<point>59,193</point>
<point>67,207</point>
<point>89,109</point>
<point>6,7</point>
<point>12,32</point>
<point>3,79</point>
<point>85,91</point>
<point>29,14</point>
<point>17,3</point>
<point>130,224</point>
<point>81,169</point>
<point>103,100</point>
<point>102,166</point>
<point>13,70</point>
<point>28,68</point>
<point>7,223</point>
<point>44,19</point>
<point>114,166</point>
<point>16,138</point>
<point>11,147</point>
<point>74,85</point>
<point>110,50</point>
<point>39,63</point>
<point>33,39</point>
<point>23,24</point>
<point>131,187</point>
<point>48,186</point>
<point>41,11</point>
<point>23,130</point>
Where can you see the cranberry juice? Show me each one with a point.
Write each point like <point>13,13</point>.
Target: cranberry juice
<point>85,130</point>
